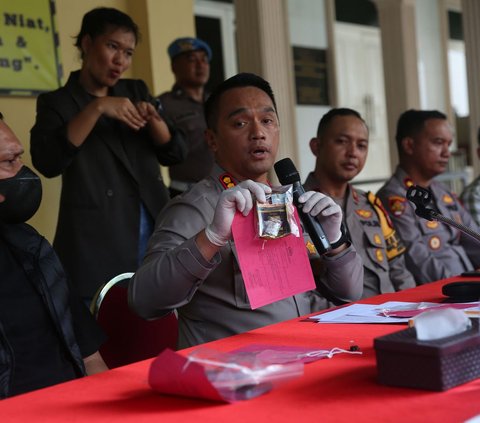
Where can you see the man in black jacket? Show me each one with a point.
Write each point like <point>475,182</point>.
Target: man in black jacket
<point>47,335</point>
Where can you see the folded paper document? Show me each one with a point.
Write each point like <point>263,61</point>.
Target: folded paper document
<point>389,312</point>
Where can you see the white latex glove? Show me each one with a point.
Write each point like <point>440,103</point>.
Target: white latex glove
<point>238,198</point>
<point>327,212</point>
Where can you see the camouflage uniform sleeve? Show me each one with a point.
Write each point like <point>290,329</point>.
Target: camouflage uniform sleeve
<point>471,200</point>
<point>471,245</point>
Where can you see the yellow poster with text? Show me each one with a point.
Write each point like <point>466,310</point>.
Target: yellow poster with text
<point>29,61</point>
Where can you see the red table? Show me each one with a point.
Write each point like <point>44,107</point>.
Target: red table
<point>342,389</point>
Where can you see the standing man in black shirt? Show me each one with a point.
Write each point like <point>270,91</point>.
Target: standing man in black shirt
<point>183,105</point>
<point>57,340</point>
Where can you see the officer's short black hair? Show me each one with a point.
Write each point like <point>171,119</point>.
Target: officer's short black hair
<point>411,122</point>
<point>237,81</point>
<point>328,117</point>
<point>97,21</point>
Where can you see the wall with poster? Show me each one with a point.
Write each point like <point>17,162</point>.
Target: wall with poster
<point>29,59</point>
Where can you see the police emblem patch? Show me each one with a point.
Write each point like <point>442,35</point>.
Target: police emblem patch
<point>366,214</point>
<point>447,199</point>
<point>434,243</point>
<point>397,205</point>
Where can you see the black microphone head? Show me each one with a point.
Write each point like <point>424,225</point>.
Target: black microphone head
<point>419,196</point>
<point>286,172</point>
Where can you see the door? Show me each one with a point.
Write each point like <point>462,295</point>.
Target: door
<point>215,24</point>
<point>359,68</point>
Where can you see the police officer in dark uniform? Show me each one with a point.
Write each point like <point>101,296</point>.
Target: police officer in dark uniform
<point>183,106</point>
<point>341,148</point>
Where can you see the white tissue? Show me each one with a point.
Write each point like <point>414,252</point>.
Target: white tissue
<point>437,324</point>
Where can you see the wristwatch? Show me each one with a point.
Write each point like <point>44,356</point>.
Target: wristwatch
<point>343,238</point>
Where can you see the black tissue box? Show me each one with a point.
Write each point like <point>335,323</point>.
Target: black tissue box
<point>437,365</point>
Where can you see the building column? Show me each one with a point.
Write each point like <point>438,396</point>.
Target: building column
<point>263,47</point>
<point>471,35</point>
<point>399,49</point>
<point>154,18</point>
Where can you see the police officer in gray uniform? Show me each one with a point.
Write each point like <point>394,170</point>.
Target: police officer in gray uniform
<point>183,107</point>
<point>434,250</point>
<point>341,148</point>
<point>190,264</point>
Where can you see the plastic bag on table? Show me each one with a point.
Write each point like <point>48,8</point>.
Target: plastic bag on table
<point>241,376</point>
<point>281,354</point>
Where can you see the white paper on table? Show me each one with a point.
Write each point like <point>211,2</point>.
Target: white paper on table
<point>379,313</point>
<point>368,313</point>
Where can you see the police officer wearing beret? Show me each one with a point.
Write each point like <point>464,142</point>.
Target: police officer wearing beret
<point>434,250</point>
<point>183,106</point>
<point>341,148</point>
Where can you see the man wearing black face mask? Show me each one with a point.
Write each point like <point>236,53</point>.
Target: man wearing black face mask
<point>57,340</point>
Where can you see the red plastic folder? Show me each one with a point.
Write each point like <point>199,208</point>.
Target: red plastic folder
<point>173,374</point>
<point>273,269</point>
<point>226,377</point>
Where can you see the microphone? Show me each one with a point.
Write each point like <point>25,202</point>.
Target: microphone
<point>457,291</point>
<point>287,174</point>
<point>422,197</point>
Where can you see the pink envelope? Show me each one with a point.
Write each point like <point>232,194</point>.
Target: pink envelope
<point>272,269</point>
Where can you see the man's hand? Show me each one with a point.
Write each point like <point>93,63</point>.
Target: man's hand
<point>327,212</point>
<point>238,198</point>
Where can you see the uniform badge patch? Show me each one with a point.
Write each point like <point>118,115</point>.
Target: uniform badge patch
<point>366,214</point>
<point>377,239</point>
<point>408,182</point>
<point>311,248</point>
<point>434,243</point>
<point>431,224</point>
<point>397,205</point>
<point>379,255</point>
<point>447,199</point>
<point>226,180</point>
